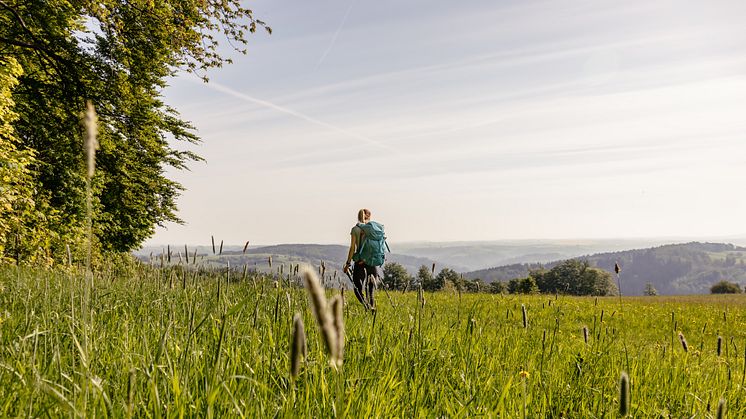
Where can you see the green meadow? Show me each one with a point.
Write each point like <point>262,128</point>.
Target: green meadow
<point>137,341</point>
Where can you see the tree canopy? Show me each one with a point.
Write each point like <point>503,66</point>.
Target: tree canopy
<point>56,55</point>
<point>574,277</point>
<point>725,287</point>
<point>395,276</point>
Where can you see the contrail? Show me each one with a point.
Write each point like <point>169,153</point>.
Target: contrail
<point>336,34</point>
<point>227,90</point>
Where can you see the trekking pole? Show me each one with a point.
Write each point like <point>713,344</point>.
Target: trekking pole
<point>357,292</point>
<point>389,296</point>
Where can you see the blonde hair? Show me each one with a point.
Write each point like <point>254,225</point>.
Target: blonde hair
<point>363,215</point>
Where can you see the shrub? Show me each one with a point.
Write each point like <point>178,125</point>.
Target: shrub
<point>725,287</point>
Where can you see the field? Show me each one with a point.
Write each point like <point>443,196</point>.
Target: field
<point>138,341</point>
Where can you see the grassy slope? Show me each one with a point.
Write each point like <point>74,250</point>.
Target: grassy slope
<point>164,344</point>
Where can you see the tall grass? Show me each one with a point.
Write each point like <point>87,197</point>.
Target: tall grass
<point>162,351</point>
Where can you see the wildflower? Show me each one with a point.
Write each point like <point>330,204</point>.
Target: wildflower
<point>524,374</point>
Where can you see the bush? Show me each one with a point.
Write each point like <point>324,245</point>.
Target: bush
<point>498,287</point>
<point>725,287</point>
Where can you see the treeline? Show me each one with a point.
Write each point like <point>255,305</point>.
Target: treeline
<point>671,269</point>
<point>58,55</point>
<point>571,277</point>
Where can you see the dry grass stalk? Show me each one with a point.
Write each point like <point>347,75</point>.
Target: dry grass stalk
<point>321,311</point>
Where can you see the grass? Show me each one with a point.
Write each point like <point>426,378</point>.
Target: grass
<point>173,343</point>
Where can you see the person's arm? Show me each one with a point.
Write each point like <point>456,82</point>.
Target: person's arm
<point>353,245</point>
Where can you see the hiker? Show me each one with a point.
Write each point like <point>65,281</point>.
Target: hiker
<point>367,246</point>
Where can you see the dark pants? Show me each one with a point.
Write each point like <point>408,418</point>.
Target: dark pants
<point>365,278</point>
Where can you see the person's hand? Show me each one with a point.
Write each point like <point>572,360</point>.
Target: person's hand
<point>346,268</point>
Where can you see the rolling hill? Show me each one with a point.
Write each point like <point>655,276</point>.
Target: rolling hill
<point>312,254</point>
<point>688,268</point>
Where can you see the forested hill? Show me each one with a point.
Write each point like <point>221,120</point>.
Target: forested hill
<point>688,268</point>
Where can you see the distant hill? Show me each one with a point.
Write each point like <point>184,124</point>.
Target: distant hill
<point>689,268</point>
<point>257,257</point>
<point>481,255</point>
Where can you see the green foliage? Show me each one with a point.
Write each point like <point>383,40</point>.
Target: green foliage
<point>424,276</point>
<point>24,232</point>
<point>118,55</point>
<point>725,287</point>
<point>525,285</point>
<point>445,276</point>
<point>574,277</point>
<point>175,342</point>
<point>498,287</point>
<point>396,277</point>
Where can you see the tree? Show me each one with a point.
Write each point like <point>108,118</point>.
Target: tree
<point>395,276</point>
<point>424,276</point>
<point>498,287</point>
<point>473,285</point>
<point>650,290</point>
<point>118,55</point>
<point>525,285</point>
<point>725,287</point>
<point>448,276</point>
<point>575,277</point>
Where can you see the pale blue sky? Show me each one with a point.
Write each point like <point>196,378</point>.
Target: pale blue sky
<point>475,120</point>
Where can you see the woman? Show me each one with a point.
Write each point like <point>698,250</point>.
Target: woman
<point>362,273</point>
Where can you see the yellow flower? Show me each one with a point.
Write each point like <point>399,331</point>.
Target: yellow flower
<point>524,374</point>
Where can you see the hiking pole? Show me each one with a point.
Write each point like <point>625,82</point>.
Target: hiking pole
<point>389,296</point>
<point>358,292</point>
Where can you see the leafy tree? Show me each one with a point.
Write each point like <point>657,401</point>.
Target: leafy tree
<point>498,287</point>
<point>473,285</point>
<point>395,276</point>
<point>725,287</point>
<point>575,277</point>
<point>650,290</point>
<point>118,55</point>
<point>448,276</point>
<point>525,285</point>
<point>424,276</point>
<point>23,229</point>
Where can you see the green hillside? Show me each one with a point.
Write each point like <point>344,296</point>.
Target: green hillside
<point>688,268</point>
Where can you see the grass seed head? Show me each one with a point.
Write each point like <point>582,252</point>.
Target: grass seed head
<point>721,409</point>
<point>585,334</point>
<point>525,316</point>
<point>321,311</point>
<point>684,345</point>
<point>90,143</point>
<point>624,394</point>
<point>339,327</point>
<point>720,344</point>
<point>298,347</point>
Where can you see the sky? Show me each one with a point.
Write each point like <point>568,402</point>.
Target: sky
<point>473,120</point>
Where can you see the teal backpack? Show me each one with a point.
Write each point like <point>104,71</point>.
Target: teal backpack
<point>373,244</point>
